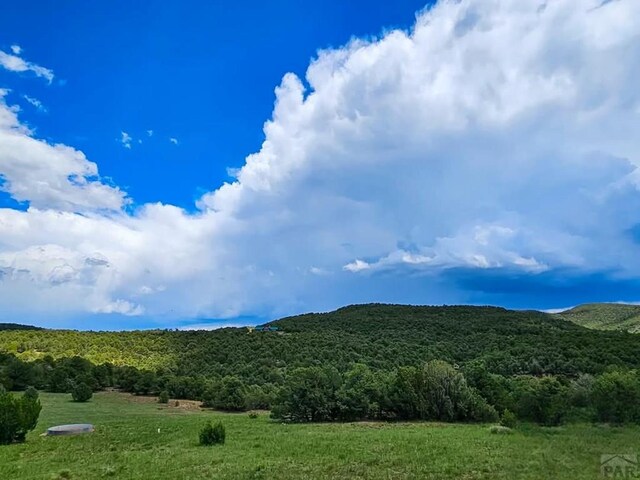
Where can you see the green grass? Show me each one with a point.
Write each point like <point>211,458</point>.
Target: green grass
<point>127,445</point>
<point>605,316</point>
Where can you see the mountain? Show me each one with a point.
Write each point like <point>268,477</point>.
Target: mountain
<point>381,336</point>
<point>605,316</point>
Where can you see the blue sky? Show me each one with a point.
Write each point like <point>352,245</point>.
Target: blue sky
<point>209,163</point>
<point>200,72</point>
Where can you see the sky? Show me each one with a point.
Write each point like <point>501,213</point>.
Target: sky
<point>201,164</point>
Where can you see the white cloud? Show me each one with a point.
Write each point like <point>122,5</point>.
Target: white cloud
<point>125,139</point>
<point>122,307</point>
<point>495,135</point>
<point>319,271</point>
<point>174,140</point>
<point>557,310</point>
<point>14,63</point>
<point>357,266</point>
<point>46,175</point>
<point>150,133</point>
<point>35,102</point>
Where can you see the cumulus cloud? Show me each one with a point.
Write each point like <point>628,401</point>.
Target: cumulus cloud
<point>49,176</point>
<point>494,140</point>
<point>14,63</point>
<point>173,140</point>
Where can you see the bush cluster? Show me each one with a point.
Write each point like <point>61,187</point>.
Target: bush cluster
<point>212,434</point>
<point>437,391</point>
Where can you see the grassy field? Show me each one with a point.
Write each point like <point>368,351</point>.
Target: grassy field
<point>127,445</point>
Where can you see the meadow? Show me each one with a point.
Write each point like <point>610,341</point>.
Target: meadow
<point>137,438</point>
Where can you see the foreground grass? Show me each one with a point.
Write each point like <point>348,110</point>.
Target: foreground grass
<point>127,445</point>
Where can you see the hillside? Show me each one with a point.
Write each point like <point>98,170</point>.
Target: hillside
<point>605,316</point>
<point>17,326</point>
<point>380,336</point>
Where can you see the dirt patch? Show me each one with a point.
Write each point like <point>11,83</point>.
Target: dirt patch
<point>185,404</point>
<point>147,399</point>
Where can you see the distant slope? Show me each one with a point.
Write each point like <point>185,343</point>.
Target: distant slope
<point>17,326</point>
<point>605,316</point>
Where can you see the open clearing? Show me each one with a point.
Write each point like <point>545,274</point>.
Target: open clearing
<point>127,445</point>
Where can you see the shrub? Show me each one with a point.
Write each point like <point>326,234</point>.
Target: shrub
<point>18,415</point>
<point>212,434</point>
<point>81,392</point>
<point>508,419</point>
<point>163,397</point>
<point>253,414</point>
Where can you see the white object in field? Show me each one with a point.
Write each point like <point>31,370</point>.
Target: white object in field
<point>72,429</point>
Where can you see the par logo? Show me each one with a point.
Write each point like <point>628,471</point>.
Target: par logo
<point>619,466</point>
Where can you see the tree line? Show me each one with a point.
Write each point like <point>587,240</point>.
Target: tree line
<point>435,390</point>
<point>379,362</point>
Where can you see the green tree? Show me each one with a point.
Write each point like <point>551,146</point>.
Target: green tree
<point>260,397</point>
<point>359,394</point>
<point>308,395</point>
<point>616,397</point>
<point>29,408</point>
<point>81,392</point>
<point>230,395</point>
<point>403,397</point>
<point>445,395</point>
<point>9,418</point>
<point>543,400</point>
<point>508,419</point>
<point>19,374</point>
<point>147,383</point>
<point>18,415</point>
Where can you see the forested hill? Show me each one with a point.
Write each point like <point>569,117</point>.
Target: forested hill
<point>381,336</point>
<point>407,320</point>
<point>605,316</point>
<point>17,326</point>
